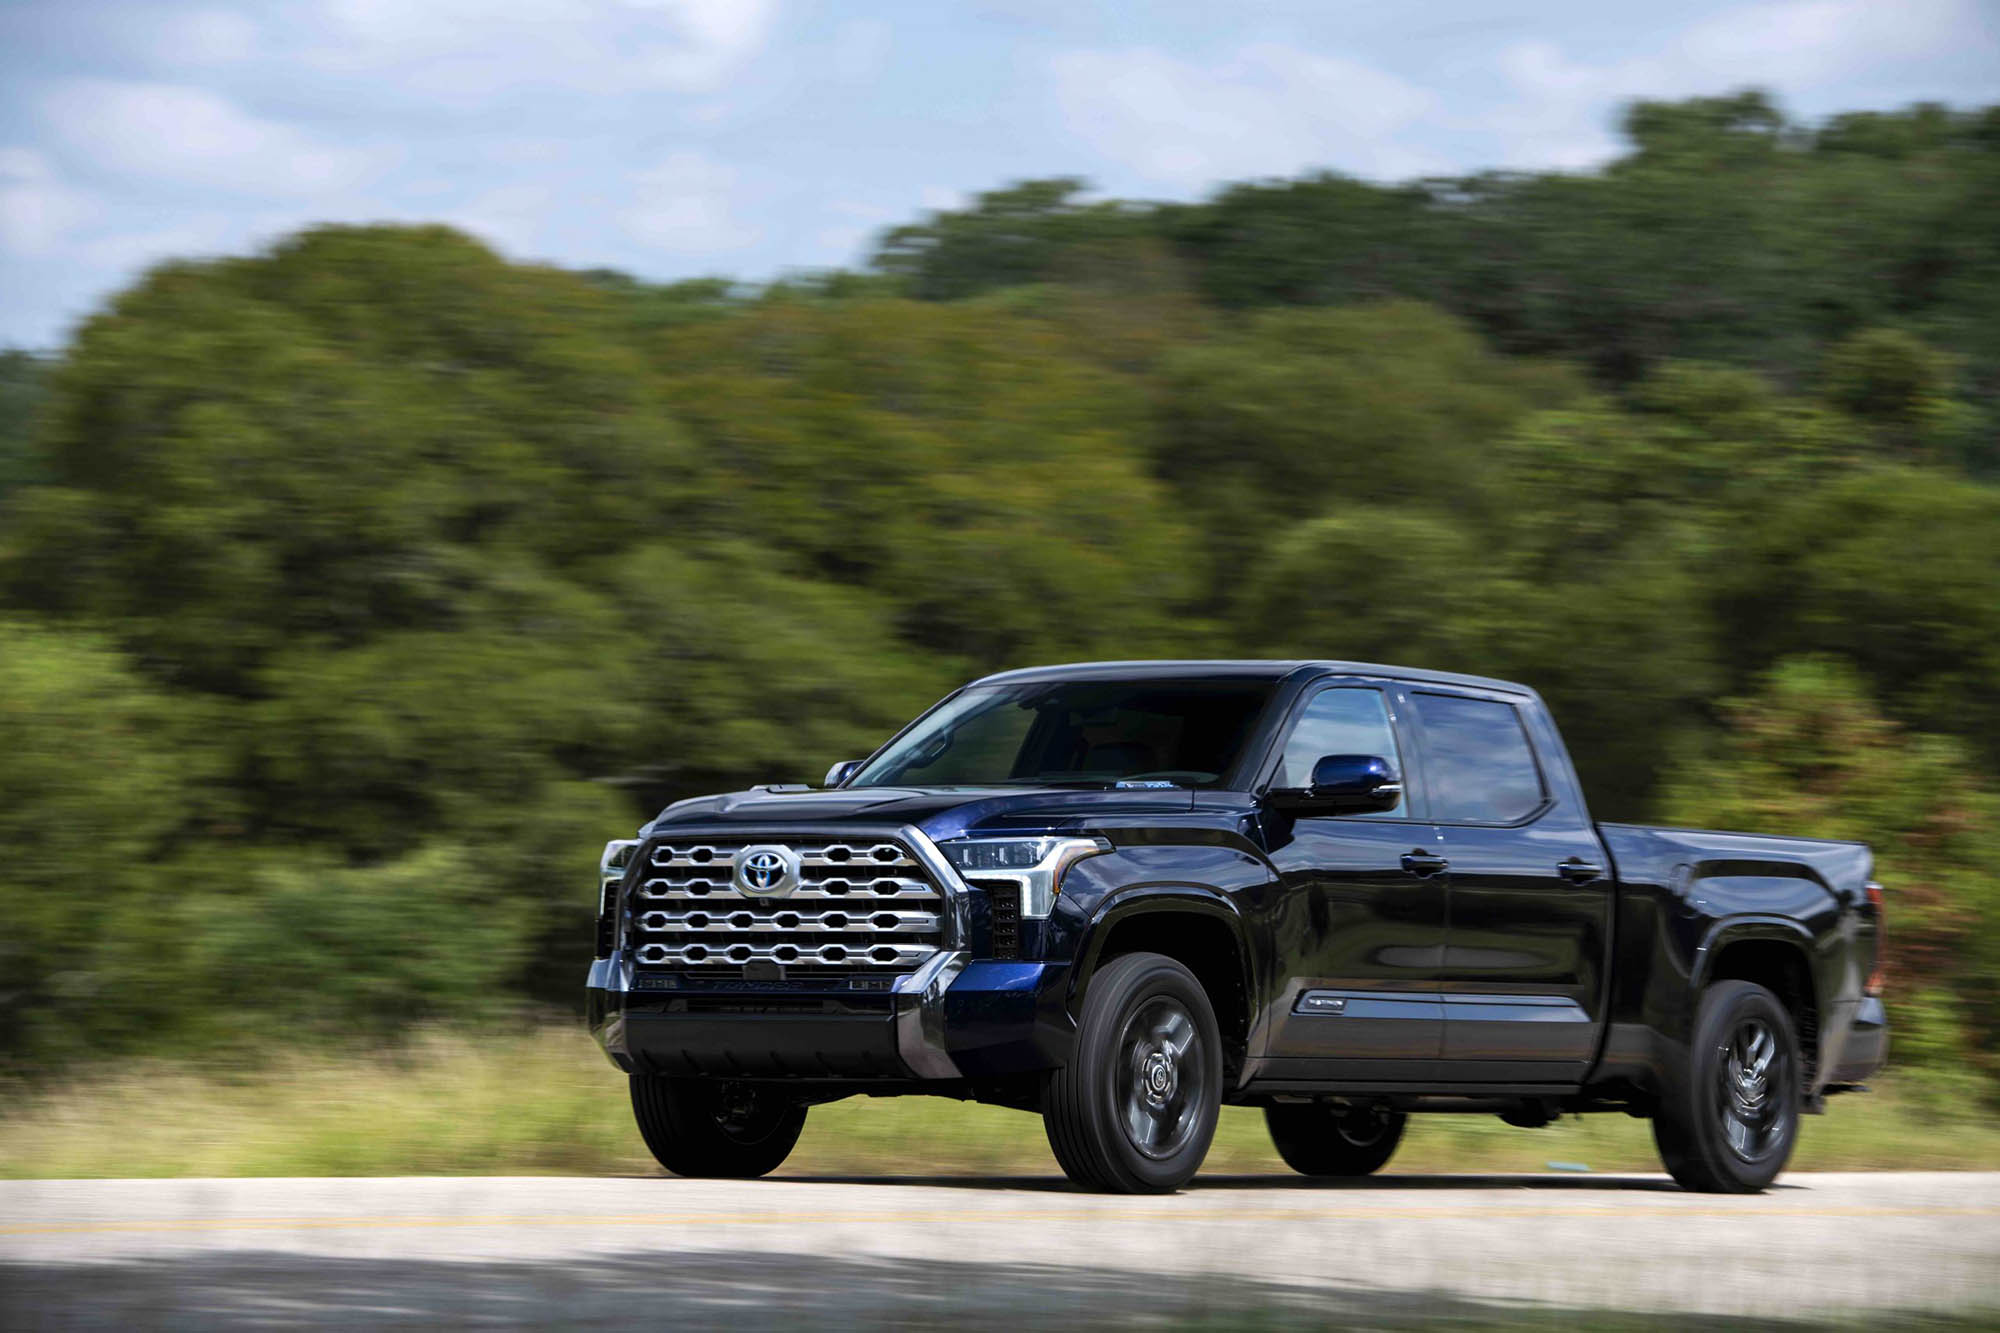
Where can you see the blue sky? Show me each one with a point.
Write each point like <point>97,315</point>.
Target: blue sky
<point>673,138</point>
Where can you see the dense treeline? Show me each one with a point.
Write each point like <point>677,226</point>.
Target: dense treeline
<point>353,592</point>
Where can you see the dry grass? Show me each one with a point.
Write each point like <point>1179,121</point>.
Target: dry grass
<point>544,1101</point>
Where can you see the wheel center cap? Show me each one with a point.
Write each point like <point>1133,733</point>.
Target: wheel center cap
<point>1160,1075</point>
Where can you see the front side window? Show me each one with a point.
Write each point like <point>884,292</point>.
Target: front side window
<point>1478,764</point>
<point>1339,721</point>
<point>1182,733</point>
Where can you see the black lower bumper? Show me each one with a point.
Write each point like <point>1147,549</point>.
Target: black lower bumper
<point>950,1021</point>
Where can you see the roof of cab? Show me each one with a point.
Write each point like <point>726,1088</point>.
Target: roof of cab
<point>1243,668</point>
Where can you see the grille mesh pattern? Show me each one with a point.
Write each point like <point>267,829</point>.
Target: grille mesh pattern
<point>861,906</point>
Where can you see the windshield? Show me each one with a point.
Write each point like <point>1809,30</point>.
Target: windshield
<point>1184,733</point>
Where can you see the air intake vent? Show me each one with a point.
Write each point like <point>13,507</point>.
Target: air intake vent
<point>1003,897</point>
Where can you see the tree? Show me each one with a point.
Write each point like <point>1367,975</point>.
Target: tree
<point>958,460</point>
<point>325,442</point>
<point>96,778</point>
<point>1892,568</point>
<point>23,389</point>
<point>1008,237</point>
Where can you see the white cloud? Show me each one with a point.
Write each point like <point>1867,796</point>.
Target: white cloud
<point>37,211</point>
<point>686,205</point>
<point>1266,110</point>
<point>510,216</point>
<point>1562,108</point>
<point>191,136</point>
<point>714,37</point>
<point>1799,42</point>
<point>860,50</point>
<point>206,37</point>
<point>126,251</point>
<point>850,225</point>
<point>942,198</point>
<point>467,51</point>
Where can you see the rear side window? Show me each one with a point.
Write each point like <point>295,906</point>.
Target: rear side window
<point>1478,764</point>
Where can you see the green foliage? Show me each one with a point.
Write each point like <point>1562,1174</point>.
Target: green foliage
<point>92,785</point>
<point>1726,233</point>
<point>1016,235</point>
<point>1302,409</point>
<point>23,389</point>
<point>311,946</point>
<point>959,460</point>
<point>1811,755</point>
<point>356,590</point>
<point>1894,568</point>
<point>334,440</point>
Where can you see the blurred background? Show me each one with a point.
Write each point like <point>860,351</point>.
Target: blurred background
<point>437,436</point>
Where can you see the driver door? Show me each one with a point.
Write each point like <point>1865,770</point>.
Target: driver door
<point>1358,927</point>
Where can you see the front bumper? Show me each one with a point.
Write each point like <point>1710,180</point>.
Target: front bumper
<point>953,1019</point>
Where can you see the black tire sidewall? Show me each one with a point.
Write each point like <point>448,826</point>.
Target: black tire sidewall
<point>676,1118</point>
<point>1115,994</point>
<point>1309,1140</point>
<point>1690,1131</point>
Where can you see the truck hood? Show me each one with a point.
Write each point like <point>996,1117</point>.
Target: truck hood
<point>941,812</point>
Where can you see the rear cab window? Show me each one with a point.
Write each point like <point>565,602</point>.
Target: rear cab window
<point>1478,765</point>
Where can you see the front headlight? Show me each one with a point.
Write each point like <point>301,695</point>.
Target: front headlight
<point>611,868</point>
<point>1035,864</point>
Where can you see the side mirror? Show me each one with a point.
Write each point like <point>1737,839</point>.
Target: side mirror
<point>1344,784</point>
<point>840,772</point>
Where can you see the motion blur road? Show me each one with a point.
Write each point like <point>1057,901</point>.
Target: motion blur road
<point>1018,1252</point>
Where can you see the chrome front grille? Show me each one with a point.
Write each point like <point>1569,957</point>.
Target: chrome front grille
<point>859,905</point>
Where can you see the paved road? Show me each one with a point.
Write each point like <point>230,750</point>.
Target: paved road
<point>1020,1253</point>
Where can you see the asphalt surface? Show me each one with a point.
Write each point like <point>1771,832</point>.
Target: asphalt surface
<point>1018,1253</point>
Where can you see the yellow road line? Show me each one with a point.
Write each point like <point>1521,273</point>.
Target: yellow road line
<point>959,1218</point>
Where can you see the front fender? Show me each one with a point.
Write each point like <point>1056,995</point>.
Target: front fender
<point>1156,899</point>
<point>1090,921</point>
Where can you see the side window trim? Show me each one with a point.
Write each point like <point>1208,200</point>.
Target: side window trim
<point>1416,776</point>
<point>1401,730</point>
<point>1548,801</point>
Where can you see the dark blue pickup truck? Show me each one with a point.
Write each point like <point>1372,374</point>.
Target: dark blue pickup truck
<point>1121,894</point>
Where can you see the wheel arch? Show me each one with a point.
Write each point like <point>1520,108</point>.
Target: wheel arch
<point>1199,928</point>
<point>1777,954</point>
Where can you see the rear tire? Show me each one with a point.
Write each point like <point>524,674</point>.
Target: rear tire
<point>705,1128</point>
<point>1730,1126</point>
<point>1318,1140</point>
<point>1135,1108</point>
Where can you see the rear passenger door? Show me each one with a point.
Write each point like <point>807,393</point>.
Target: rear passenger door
<point>1528,900</point>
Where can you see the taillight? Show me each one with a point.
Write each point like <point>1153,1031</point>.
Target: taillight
<point>1874,892</point>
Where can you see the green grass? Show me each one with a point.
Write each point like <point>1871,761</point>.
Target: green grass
<point>544,1101</point>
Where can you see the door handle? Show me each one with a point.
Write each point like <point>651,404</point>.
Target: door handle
<point>1579,871</point>
<point>1423,864</point>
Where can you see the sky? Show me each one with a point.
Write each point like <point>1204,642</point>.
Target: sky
<point>679,138</point>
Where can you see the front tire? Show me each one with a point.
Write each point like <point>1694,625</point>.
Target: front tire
<point>1324,1141</point>
<point>704,1128</point>
<point>1135,1108</point>
<point>1729,1128</point>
